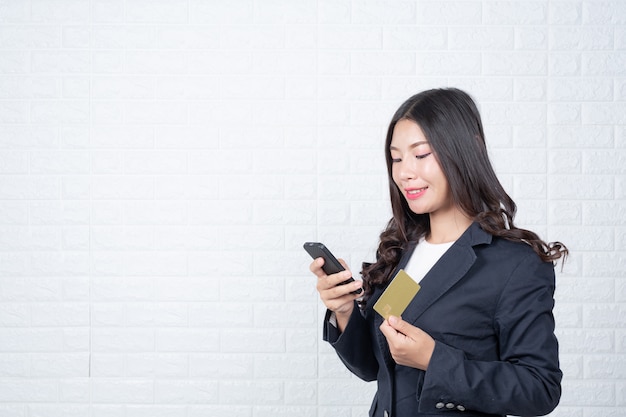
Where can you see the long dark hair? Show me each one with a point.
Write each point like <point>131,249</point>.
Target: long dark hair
<point>451,122</point>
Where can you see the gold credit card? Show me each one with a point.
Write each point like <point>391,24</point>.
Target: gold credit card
<point>397,295</point>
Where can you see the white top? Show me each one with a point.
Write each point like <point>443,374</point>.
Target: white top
<point>424,257</point>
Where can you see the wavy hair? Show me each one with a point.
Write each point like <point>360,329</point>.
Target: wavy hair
<point>451,122</point>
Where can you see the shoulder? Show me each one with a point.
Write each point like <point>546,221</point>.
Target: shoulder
<point>484,243</point>
<point>503,259</point>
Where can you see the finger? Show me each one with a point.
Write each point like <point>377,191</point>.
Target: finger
<point>333,280</point>
<point>400,325</point>
<point>316,267</point>
<point>339,304</point>
<point>388,331</point>
<point>329,288</point>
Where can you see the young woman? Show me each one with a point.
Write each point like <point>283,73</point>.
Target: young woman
<point>478,338</point>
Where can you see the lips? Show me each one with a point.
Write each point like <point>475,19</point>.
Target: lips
<point>414,193</point>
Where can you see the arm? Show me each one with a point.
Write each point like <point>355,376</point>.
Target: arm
<point>349,333</point>
<point>526,379</point>
<point>354,345</point>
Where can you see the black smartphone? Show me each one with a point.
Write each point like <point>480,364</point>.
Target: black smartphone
<point>331,264</point>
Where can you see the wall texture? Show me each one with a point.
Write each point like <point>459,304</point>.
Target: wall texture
<point>162,162</point>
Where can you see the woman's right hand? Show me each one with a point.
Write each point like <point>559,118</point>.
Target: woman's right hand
<point>336,298</point>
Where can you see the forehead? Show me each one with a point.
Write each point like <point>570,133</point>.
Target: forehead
<point>407,133</point>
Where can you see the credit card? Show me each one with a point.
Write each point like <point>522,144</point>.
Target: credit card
<point>397,295</point>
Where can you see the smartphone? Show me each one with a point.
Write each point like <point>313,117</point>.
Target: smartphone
<point>331,264</point>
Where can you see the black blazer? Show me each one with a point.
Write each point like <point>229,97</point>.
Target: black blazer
<point>488,304</point>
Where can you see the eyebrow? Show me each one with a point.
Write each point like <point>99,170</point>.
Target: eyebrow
<point>415,145</point>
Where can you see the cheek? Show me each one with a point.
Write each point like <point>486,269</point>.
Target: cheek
<point>433,171</point>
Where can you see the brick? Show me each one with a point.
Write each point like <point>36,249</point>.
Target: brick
<point>587,341</point>
<point>603,13</point>
<point>614,261</point>
<point>565,162</point>
<point>437,64</point>
<point>259,392</point>
<point>21,87</point>
<point>182,391</point>
<point>333,393</point>
<point>76,36</point>
<point>514,13</point>
<point>565,12</point>
<point>580,137</point>
<point>286,411</point>
<point>531,38</point>
<point>74,390</point>
<point>450,13</point>
<point>15,12</point>
<point>608,367</point>
<point>66,365</point>
<point>157,365</point>
<point>216,12</point>
<point>123,36</point>
<point>564,64</point>
<point>377,12</point>
<point>14,62</point>
<point>59,11</point>
<point>480,37</point>
<point>301,393</point>
<point>418,38</point>
<point>603,113</point>
<point>594,90</point>
<point>24,390</point>
<point>237,88</point>
<point>221,366</point>
<point>334,11</point>
<point>587,393</point>
<point>219,411</point>
<point>161,11</point>
<point>286,366</point>
<point>111,391</point>
<point>143,410</point>
<point>383,63</point>
<point>573,186</point>
<point>594,38</point>
<point>14,112</point>
<point>604,315</point>
<point>266,341</point>
<point>350,37</point>
<point>604,63</point>
<point>284,11</point>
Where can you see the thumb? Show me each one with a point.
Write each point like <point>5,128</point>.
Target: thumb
<point>400,325</point>
<point>395,322</point>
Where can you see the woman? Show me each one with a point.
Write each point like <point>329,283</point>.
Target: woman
<point>478,338</point>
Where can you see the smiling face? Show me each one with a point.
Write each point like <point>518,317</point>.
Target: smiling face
<point>417,173</point>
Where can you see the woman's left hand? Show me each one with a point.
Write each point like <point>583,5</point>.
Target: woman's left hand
<point>409,345</point>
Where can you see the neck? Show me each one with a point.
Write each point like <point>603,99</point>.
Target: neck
<point>444,229</point>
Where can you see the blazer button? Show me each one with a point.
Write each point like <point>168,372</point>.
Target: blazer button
<point>460,408</point>
<point>449,406</point>
<point>440,405</point>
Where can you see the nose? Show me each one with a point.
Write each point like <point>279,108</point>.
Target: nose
<point>408,169</point>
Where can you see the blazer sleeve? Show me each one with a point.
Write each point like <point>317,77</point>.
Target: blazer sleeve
<point>354,345</point>
<point>527,379</point>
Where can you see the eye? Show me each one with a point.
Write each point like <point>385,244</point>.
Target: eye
<point>422,156</point>
<point>394,160</point>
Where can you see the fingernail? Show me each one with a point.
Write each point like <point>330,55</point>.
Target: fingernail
<point>393,320</point>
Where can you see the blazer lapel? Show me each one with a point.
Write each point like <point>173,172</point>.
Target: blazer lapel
<point>450,268</point>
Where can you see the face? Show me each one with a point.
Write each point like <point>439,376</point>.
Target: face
<point>417,173</point>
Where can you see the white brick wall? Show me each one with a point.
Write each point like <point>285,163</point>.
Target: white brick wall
<point>162,161</point>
